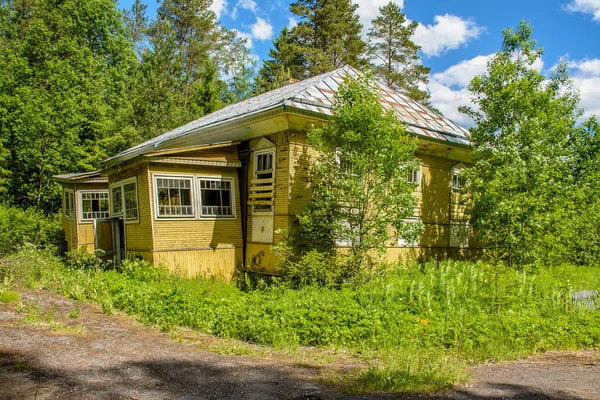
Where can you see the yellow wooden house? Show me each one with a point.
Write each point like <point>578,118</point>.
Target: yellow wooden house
<point>215,193</point>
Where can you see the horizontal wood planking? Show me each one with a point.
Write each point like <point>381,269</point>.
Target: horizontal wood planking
<point>197,233</point>
<point>219,263</point>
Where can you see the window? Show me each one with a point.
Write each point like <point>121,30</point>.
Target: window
<point>414,176</point>
<point>458,180</point>
<point>117,200</point>
<point>131,201</point>
<point>263,192</point>
<point>69,202</point>
<point>216,197</point>
<point>94,205</point>
<point>174,197</point>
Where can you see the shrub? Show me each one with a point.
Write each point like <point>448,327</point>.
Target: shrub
<point>85,260</point>
<point>19,226</point>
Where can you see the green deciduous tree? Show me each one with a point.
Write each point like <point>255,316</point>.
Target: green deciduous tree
<point>522,179</point>
<point>361,195</point>
<point>63,68</point>
<point>328,35</point>
<point>394,56</point>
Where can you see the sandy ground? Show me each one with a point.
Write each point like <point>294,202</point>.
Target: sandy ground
<point>96,356</point>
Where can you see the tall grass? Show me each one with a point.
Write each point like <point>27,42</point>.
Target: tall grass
<point>414,325</point>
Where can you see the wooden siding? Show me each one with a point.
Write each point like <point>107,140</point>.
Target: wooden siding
<point>281,200</point>
<point>79,233</point>
<point>138,234</point>
<point>204,233</point>
<point>220,263</point>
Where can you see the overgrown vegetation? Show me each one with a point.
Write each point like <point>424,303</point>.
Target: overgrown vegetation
<point>534,182</point>
<point>417,327</point>
<point>361,197</point>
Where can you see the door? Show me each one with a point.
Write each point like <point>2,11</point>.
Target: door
<point>118,236</point>
<point>103,237</point>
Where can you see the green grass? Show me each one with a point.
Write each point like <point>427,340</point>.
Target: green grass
<point>416,328</point>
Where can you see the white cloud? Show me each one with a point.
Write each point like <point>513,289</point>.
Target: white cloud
<point>586,67</point>
<point>261,29</point>
<point>292,22</point>
<point>460,75</point>
<point>447,33</point>
<point>369,10</point>
<point>586,77</point>
<point>249,5</point>
<point>448,89</point>
<point>218,7</point>
<point>585,7</point>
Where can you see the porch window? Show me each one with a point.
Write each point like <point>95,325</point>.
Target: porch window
<point>414,176</point>
<point>131,200</point>
<point>69,201</point>
<point>94,205</point>
<point>117,200</point>
<point>174,197</point>
<point>216,198</point>
<point>262,195</point>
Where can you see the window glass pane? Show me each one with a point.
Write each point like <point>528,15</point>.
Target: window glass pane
<point>117,200</point>
<point>131,208</point>
<point>216,198</point>
<point>94,205</point>
<point>174,196</point>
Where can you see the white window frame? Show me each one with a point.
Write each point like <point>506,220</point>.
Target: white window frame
<point>418,178</point>
<point>80,202</point>
<point>114,214</point>
<point>123,213</point>
<point>256,154</point>
<point>232,190</point>
<point>193,188</point>
<point>456,171</point>
<point>196,197</point>
<point>71,214</point>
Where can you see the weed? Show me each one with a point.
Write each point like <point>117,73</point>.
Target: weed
<point>74,312</point>
<point>416,327</point>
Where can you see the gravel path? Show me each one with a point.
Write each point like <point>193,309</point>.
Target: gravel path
<point>95,356</point>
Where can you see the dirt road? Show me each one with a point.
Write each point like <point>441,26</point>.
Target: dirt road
<point>44,354</point>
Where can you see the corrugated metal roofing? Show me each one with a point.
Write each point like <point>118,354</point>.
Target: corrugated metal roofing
<point>316,94</point>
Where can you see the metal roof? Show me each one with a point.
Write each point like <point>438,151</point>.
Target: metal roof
<point>92,176</point>
<point>316,94</point>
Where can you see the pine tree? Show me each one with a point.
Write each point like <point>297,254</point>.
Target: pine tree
<point>284,62</point>
<point>394,56</point>
<point>136,23</point>
<point>328,35</point>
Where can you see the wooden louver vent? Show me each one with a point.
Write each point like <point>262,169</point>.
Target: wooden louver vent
<point>262,192</point>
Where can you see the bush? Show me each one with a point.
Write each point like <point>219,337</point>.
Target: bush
<point>19,226</point>
<point>85,260</point>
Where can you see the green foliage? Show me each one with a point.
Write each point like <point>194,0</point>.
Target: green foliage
<point>360,192</point>
<point>403,322</point>
<point>63,68</point>
<point>30,266</point>
<point>84,260</point>
<point>19,227</point>
<point>394,56</point>
<point>284,62</point>
<point>327,36</point>
<point>522,184</point>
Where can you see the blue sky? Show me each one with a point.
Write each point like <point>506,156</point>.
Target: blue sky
<point>457,37</point>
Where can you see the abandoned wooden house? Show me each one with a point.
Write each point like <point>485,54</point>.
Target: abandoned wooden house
<point>215,193</point>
